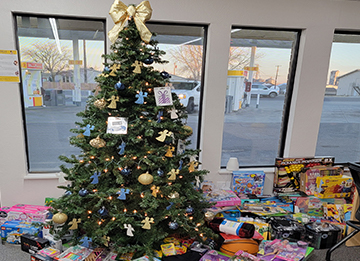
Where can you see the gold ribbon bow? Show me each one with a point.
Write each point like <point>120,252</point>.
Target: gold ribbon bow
<point>120,13</point>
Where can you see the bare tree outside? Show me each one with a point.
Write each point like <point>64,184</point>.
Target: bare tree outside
<point>189,59</point>
<point>48,54</point>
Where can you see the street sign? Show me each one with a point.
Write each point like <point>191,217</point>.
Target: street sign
<point>75,62</point>
<point>248,68</point>
<point>248,87</point>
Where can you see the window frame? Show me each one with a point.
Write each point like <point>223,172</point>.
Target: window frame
<point>289,89</point>
<point>21,93</point>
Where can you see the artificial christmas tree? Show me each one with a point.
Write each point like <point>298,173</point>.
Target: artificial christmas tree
<point>135,182</point>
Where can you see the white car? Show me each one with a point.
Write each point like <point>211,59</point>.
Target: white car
<point>258,88</point>
<point>188,92</point>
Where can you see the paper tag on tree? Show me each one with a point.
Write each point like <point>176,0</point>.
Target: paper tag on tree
<point>117,125</point>
<point>163,96</point>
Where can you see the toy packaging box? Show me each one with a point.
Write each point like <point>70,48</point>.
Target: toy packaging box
<point>248,182</point>
<point>280,250</point>
<point>308,178</point>
<point>333,186</point>
<point>213,255</point>
<point>74,253</point>
<point>222,198</point>
<point>33,244</point>
<point>311,205</point>
<point>12,230</point>
<point>288,170</point>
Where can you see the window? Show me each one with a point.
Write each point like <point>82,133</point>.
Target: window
<point>339,132</point>
<point>261,65</point>
<point>60,58</point>
<point>184,47</point>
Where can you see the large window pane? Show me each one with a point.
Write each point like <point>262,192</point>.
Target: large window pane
<point>60,59</point>
<point>260,62</point>
<point>339,133</point>
<point>184,47</point>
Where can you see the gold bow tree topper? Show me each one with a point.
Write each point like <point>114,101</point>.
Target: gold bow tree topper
<point>120,13</point>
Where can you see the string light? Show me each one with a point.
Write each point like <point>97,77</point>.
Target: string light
<point>113,218</point>
<point>138,167</point>
<point>94,190</point>
<point>201,235</point>
<point>81,161</point>
<point>99,223</point>
<point>139,137</point>
<point>191,218</point>
<point>125,210</point>
<point>92,157</point>
<point>198,224</point>
<point>135,211</point>
<point>105,170</point>
<point>141,194</point>
<point>147,84</point>
<point>89,211</point>
<point>107,159</point>
<point>134,158</point>
<point>110,197</point>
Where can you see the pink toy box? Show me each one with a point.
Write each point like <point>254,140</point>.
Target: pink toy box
<point>223,198</point>
<point>27,213</point>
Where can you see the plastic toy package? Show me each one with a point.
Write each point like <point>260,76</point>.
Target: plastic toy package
<point>280,250</point>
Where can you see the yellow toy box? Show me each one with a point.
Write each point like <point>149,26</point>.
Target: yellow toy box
<point>333,187</point>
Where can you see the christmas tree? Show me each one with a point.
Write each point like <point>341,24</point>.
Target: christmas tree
<point>135,181</point>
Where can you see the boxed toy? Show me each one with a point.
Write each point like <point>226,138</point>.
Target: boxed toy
<point>222,198</point>
<point>248,182</point>
<point>28,213</point>
<point>32,244</point>
<point>311,205</point>
<point>333,186</point>
<point>279,250</point>
<point>74,253</point>
<point>322,235</point>
<point>288,169</point>
<point>12,230</point>
<point>308,178</point>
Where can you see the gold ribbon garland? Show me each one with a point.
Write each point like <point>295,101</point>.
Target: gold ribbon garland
<point>120,13</point>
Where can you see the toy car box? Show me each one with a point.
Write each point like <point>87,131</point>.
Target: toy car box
<point>333,186</point>
<point>32,244</point>
<point>322,235</point>
<point>287,170</point>
<point>248,182</point>
<point>11,231</point>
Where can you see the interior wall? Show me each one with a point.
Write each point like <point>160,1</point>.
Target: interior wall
<point>317,19</point>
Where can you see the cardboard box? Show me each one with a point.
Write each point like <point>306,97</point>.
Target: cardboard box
<point>248,182</point>
<point>333,187</point>
<point>287,171</point>
<point>308,178</point>
<point>32,244</point>
<point>11,231</point>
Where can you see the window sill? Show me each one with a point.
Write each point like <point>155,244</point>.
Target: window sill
<point>42,176</point>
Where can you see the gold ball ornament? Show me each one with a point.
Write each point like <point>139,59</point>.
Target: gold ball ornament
<point>174,195</point>
<point>146,178</point>
<point>209,215</point>
<point>59,218</point>
<point>101,104</point>
<point>97,142</point>
<point>188,130</point>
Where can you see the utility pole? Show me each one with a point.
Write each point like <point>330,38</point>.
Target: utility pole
<point>277,72</point>
<point>85,67</point>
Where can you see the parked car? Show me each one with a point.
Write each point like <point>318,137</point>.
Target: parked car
<point>188,92</point>
<point>258,88</point>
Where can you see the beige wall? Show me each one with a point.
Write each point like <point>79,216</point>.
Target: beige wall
<point>317,18</point>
